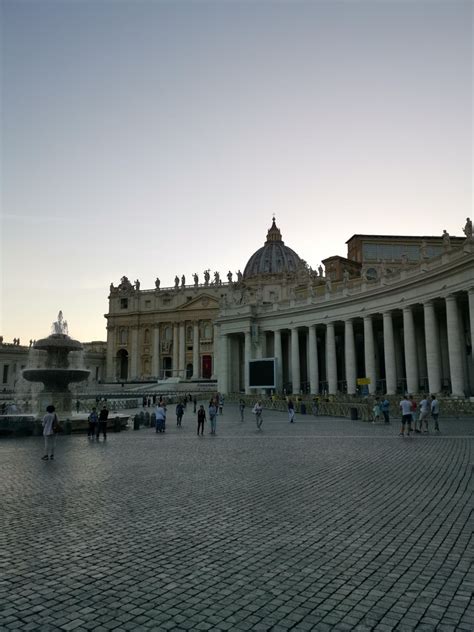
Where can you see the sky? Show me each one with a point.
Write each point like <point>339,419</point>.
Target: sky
<point>158,138</point>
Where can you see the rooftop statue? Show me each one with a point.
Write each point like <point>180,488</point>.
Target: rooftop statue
<point>196,279</point>
<point>467,230</point>
<point>446,240</point>
<point>207,276</point>
<point>157,283</point>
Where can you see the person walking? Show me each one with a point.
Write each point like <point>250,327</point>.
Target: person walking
<point>179,414</point>
<point>160,413</point>
<point>50,428</point>
<point>435,411</point>
<point>102,425</point>
<point>212,416</point>
<point>291,411</point>
<point>406,409</point>
<point>201,417</point>
<point>92,419</point>
<point>241,409</point>
<point>385,408</point>
<point>257,411</point>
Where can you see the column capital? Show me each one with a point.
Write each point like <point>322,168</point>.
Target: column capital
<point>450,298</point>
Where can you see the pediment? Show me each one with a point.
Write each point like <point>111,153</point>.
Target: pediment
<point>203,301</point>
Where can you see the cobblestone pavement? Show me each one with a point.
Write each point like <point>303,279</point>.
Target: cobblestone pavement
<point>325,524</point>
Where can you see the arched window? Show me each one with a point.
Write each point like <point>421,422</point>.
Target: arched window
<point>189,334</point>
<point>168,335</point>
<point>207,331</point>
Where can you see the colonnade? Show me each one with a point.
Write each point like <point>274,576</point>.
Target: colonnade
<point>424,346</point>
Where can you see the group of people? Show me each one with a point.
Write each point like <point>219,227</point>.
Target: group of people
<point>98,423</point>
<point>415,418</point>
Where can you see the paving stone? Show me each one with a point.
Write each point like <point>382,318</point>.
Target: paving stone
<point>298,527</point>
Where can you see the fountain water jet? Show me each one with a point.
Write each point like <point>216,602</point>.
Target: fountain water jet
<point>56,374</point>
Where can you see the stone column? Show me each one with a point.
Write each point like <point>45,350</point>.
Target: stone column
<point>134,353</point>
<point>313,361</point>
<point>433,357</point>
<point>454,347</point>
<point>331,359</point>
<point>295,361</point>
<point>350,356</point>
<point>196,355</point>
<point>215,348</point>
<point>182,351</point>
<point>471,314</point>
<point>247,358</point>
<point>389,353</point>
<point>369,353</point>
<point>223,376</point>
<point>111,369</point>
<point>279,359</point>
<point>175,371</point>
<point>155,355</point>
<point>411,361</point>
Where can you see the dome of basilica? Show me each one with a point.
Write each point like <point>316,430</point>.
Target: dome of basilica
<point>273,258</point>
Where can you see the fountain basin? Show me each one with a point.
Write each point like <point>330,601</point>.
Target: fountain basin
<point>55,380</point>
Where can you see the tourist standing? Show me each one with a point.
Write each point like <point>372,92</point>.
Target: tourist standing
<point>425,409</point>
<point>102,425</point>
<point>195,403</point>
<point>385,408</point>
<point>212,416</point>
<point>221,405</point>
<point>92,419</point>
<point>78,406</point>
<point>50,422</point>
<point>201,417</point>
<point>435,411</point>
<point>414,413</point>
<point>291,411</point>
<point>406,408</point>
<point>376,410</point>
<point>257,411</point>
<point>241,409</point>
<point>160,413</point>
<point>179,414</point>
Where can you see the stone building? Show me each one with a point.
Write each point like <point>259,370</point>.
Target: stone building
<point>396,313</point>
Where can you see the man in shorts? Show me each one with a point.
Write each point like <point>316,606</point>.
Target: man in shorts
<point>406,410</point>
<point>435,411</point>
<point>425,409</point>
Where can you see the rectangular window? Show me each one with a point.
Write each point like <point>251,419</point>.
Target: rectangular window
<point>123,303</point>
<point>369,252</point>
<point>5,373</point>
<point>148,304</point>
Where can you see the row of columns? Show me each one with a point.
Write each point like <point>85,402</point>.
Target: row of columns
<point>430,346</point>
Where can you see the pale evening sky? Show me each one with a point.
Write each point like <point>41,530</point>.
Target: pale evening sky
<point>147,138</point>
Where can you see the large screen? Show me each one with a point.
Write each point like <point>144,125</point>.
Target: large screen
<point>262,373</point>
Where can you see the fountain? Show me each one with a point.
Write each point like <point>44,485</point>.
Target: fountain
<point>56,375</point>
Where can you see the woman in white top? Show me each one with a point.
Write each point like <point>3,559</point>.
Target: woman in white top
<point>48,433</point>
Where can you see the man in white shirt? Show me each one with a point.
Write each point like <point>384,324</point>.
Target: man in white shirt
<point>425,409</point>
<point>405,407</point>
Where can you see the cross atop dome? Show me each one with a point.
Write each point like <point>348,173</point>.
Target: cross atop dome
<point>273,233</point>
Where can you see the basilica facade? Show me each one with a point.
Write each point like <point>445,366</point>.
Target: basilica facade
<point>396,315</point>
